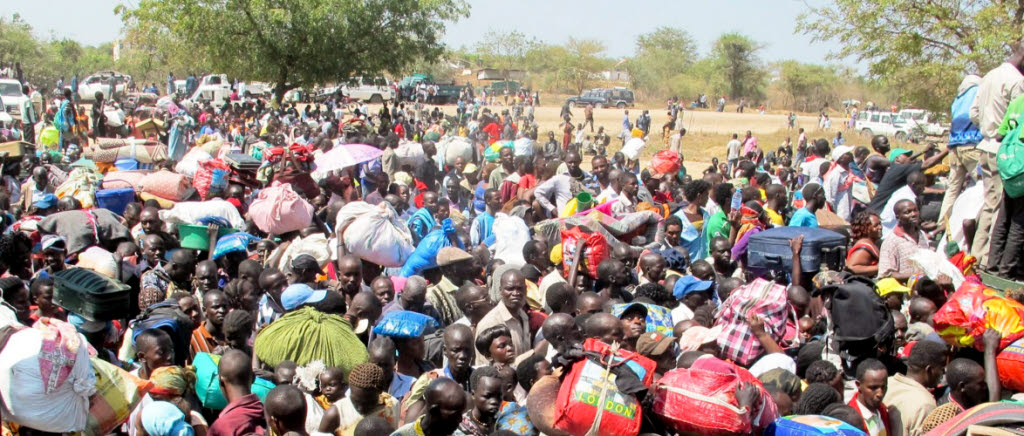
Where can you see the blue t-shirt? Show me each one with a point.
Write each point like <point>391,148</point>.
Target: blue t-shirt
<point>803,218</point>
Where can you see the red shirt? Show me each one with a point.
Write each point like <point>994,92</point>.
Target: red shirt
<point>239,418</point>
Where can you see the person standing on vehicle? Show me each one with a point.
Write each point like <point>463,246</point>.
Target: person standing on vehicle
<point>997,89</point>
<point>588,114</point>
<point>170,83</point>
<point>964,137</point>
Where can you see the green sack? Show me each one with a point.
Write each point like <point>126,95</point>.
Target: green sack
<point>49,137</point>
<point>305,335</point>
<point>1010,159</point>
<point>208,385</point>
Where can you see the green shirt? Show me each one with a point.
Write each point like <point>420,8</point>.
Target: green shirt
<point>718,225</point>
<point>1013,111</point>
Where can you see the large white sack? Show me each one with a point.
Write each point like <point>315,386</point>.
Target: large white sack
<point>64,410</point>
<point>510,235</point>
<point>375,233</point>
<point>190,163</point>
<point>190,212</point>
<point>633,147</point>
<point>315,245</point>
<point>456,146</point>
<point>410,153</point>
<point>523,147</point>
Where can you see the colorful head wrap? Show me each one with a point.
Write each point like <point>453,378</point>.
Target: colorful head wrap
<point>172,381</point>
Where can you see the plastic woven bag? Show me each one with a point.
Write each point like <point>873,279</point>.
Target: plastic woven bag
<point>666,162</point>
<point>589,399</point>
<point>404,324</point>
<point>974,308</point>
<point>595,250</point>
<point>117,394</point>
<point>211,178</point>
<point>375,233</point>
<point>279,209</point>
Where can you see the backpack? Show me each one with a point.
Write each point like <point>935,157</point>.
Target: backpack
<point>59,120</point>
<point>1010,159</point>
<point>961,130</point>
<point>167,316</point>
<point>859,314</point>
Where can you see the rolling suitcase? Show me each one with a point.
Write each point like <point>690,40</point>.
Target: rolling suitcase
<point>90,294</point>
<point>769,250</point>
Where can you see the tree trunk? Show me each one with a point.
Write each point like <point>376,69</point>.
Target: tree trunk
<point>281,86</point>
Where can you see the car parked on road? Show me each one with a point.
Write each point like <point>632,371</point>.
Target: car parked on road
<point>604,97</point>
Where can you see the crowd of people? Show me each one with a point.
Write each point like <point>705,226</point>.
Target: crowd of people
<point>421,287</point>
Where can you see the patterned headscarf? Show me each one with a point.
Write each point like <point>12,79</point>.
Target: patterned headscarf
<point>172,381</point>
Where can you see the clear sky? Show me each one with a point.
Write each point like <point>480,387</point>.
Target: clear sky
<point>615,22</point>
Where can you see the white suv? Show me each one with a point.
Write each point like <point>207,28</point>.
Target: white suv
<point>870,123</point>
<point>374,90</point>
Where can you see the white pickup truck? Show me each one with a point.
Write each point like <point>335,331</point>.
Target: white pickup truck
<point>926,121</point>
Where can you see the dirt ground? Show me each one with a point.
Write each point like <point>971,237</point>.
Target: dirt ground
<point>707,131</point>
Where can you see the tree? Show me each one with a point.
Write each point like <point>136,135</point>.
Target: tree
<point>808,86</point>
<point>735,56</point>
<point>296,43</point>
<point>920,48</point>
<point>662,58</point>
<point>581,63</point>
<point>42,61</point>
<point>505,51</point>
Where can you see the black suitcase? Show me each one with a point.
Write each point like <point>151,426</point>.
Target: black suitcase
<point>769,250</point>
<point>90,294</point>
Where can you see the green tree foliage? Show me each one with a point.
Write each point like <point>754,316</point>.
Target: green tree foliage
<point>735,56</point>
<point>580,63</point>
<point>663,60</point>
<point>807,86</point>
<point>919,48</point>
<point>43,62</point>
<point>296,43</point>
<point>505,50</point>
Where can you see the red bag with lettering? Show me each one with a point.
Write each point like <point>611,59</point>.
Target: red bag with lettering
<point>595,250</point>
<point>592,381</point>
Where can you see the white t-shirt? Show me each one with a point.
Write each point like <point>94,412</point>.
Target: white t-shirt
<point>734,149</point>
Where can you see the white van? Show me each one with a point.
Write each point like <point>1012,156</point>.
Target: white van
<point>374,90</point>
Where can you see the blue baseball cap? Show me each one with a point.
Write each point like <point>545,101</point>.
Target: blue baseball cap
<point>689,284</point>
<point>299,294</point>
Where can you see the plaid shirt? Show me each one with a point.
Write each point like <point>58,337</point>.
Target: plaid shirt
<point>763,298</point>
<point>894,256</point>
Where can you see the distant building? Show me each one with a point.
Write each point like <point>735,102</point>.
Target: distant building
<point>615,76</point>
